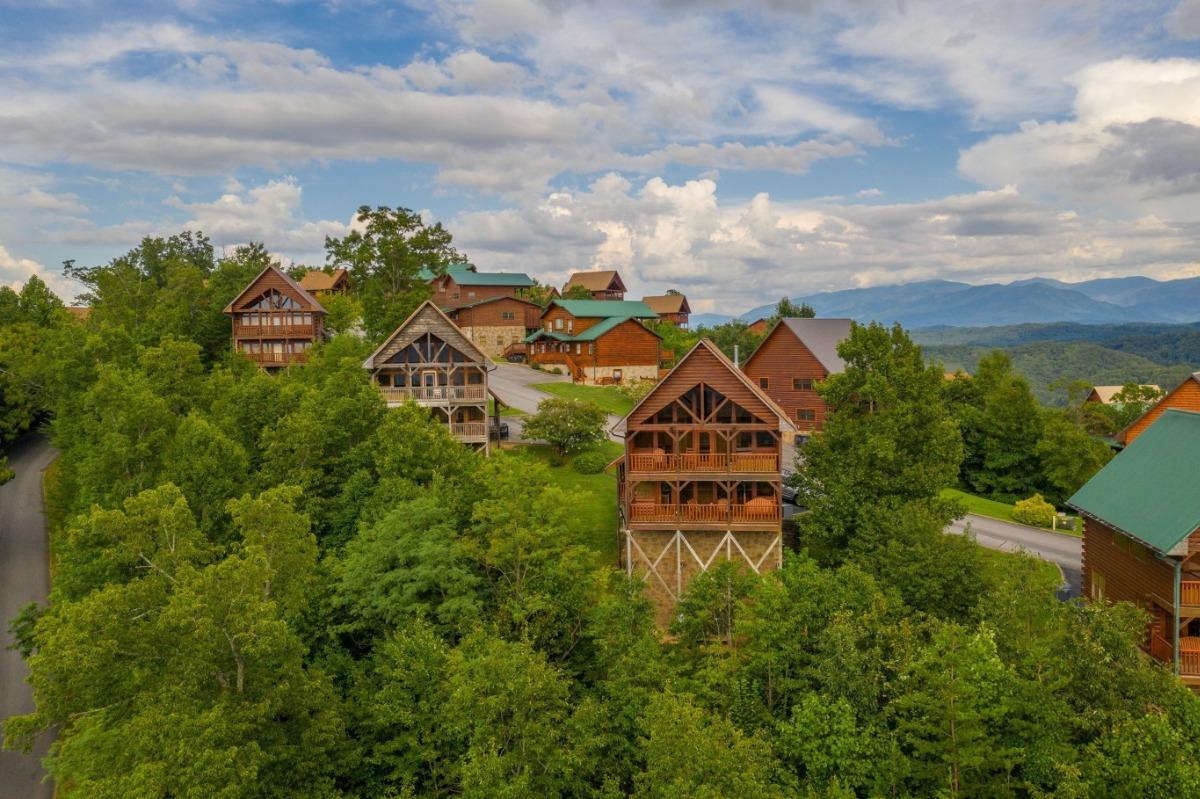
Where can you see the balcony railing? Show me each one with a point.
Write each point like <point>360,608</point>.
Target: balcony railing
<point>276,358</point>
<point>1189,653</point>
<point>271,331</point>
<point>469,429</point>
<point>738,462</point>
<point>720,513</point>
<point>433,393</point>
<point>1189,592</point>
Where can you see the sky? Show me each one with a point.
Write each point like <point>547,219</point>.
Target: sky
<point>736,151</point>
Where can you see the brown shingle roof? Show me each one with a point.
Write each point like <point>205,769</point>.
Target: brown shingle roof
<point>668,303</point>
<point>1106,393</point>
<point>595,281</point>
<point>304,295</point>
<point>317,280</point>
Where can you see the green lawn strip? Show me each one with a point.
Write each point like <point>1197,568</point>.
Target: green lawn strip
<point>982,506</point>
<point>1053,573</point>
<point>608,398</point>
<point>593,497</point>
<point>504,410</point>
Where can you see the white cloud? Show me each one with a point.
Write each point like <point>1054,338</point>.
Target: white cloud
<point>735,255</point>
<point>1132,144</point>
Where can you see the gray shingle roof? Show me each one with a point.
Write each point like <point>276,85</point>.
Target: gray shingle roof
<point>822,337</point>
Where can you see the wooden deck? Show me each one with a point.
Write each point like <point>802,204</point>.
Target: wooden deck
<point>276,358</point>
<point>434,395</point>
<point>717,516</point>
<point>740,463</point>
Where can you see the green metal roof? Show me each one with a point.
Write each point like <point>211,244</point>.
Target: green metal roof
<point>591,334</point>
<point>1148,491</point>
<point>493,279</point>
<point>628,309</point>
<point>453,269</point>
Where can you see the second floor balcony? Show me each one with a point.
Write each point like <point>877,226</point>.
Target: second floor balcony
<point>704,463</point>
<point>761,513</point>
<point>433,395</point>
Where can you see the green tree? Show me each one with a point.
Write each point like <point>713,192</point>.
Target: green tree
<point>1001,431</point>
<point>786,309</point>
<point>706,612</point>
<point>38,305</point>
<point>1118,763</point>
<point>568,425</point>
<point>827,748</point>
<point>889,437</point>
<point>385,258</point>
<point>691,753</point>
<point>209,468</point>
<point>407,565</point>
<point>344,313</point>
<point>577,292</point>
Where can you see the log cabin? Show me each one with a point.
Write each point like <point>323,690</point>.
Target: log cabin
<point>275,321</point>
<point>604,285</point>
<point>699,481</point>
<point>463,285</point>
<point>759,326</point>
<point>1141,537</point>
<point>671,308</point>
<point>597,342</point>
<point>791,360</point>
<point>318,282</point>
<point>1185,396</point>
<point>496,324</point>
<point>429,361</point>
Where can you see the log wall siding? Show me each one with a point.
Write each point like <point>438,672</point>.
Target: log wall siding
<point>1186,398</point>
<point>1125,577</point>
<point>701,367</point>
<point>781,359</point>
<point>491,314</point>
<point>447,292</point>
<point>579,323</point>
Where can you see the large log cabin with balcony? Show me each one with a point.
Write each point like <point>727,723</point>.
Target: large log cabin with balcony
<point>603,285</point>
<point>1184,397</point>
<point>795,356</point>
<point>671,308</point>
<point>597,342</point>
<point>1141,537</point>
<point>700,479</point>
<point>275,321</point>
<point>496,324</point>
<point>429,361</point>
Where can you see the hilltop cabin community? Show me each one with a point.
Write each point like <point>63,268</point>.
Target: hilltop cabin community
<point>700,480</point>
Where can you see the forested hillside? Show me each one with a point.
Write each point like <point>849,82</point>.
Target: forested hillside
<point>274,586</point>
<point>1051,365</point>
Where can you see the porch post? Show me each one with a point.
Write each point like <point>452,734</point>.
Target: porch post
<point>1175,627</point>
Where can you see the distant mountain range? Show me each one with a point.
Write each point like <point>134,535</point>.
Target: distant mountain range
<point>945,303</point>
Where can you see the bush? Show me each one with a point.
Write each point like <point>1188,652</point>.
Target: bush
<point>636,390</point>
<point>590,463</point>
<point>1034,511</point>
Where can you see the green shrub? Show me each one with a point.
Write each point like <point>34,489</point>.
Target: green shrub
<point>1034,511</point>
<point>590,463</point>
<point>636,390</point>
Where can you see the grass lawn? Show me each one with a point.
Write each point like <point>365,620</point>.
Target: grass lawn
<point>1053,574</point>
<point>593,498</point>
<point>606,397</point>
<point>982,506</point>
<point>504,409</point>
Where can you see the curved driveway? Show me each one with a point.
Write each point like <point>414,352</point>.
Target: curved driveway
<point>1065,551</point>
<point>24,578</point>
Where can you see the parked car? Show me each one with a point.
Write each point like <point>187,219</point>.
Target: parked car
<point>789,491</point>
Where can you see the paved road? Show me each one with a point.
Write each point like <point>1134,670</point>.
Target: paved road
<point>24,578</point>
<point>1064,550</point>
<point>513,384</point>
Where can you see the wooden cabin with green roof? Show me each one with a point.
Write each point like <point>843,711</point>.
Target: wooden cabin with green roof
<point>1141,536</point>
<point>597,342</point>
<point>464,285</point>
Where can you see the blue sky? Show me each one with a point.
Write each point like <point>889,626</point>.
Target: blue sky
<point>736,151</point>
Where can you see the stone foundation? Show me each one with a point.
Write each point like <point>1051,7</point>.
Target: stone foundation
<point>493,340</point>
<point>629,374</point>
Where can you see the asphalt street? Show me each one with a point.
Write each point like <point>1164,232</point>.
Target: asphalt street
<point>24,578</point>
<point>513,384</point>
<point>1066,551</point>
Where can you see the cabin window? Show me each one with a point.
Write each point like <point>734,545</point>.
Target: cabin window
<point>454,296</point>
<point>470,295</point>
<point>1097,585</point>
<point>442,288</point>
<point>806,415</point>
<point>570,325</point>
<point>763,439</point>
<point>578,348</point>
<point>558,324</point>
<point>507,315</point>
<point>616,375</point>
<point>763,382</point>
<point>802,384</point>
<point>592,349</point>
<point>384,379</point>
